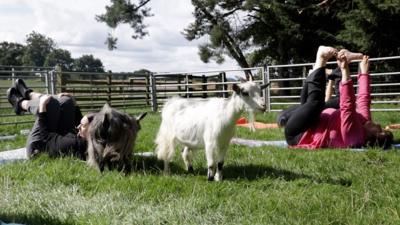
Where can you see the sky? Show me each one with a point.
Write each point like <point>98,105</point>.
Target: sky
<point>72,25</point>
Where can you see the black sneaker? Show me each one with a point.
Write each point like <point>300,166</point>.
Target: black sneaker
<point>14,98</point>
<point>22,88</point>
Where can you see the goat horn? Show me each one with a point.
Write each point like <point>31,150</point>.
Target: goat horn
<point>265,85</point>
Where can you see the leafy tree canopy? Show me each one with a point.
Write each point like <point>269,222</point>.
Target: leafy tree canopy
<point>87,63</point>
<point>11,53</point>
<point>60,57</point>
<point>37,48</point>
<point>288,31</point>
<point>126,12</point>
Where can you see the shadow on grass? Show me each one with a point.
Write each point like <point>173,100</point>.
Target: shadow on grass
<point>30,219</point>
<point>254,172</point>
<point>247,172</point>
<point>155,166</point>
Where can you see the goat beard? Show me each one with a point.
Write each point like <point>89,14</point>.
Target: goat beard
<point>252,126</point>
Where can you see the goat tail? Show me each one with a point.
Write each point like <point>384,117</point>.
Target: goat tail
<point>165,143</point>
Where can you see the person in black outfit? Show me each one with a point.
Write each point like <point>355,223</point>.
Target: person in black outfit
<point>333,76</point>
<point>57,118</point>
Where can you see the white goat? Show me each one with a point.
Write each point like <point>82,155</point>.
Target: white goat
<point>209,124</point>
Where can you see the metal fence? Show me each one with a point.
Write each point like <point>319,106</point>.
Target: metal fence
<point>132,90</point>
<point>121,90</point>
<point>40,79</point>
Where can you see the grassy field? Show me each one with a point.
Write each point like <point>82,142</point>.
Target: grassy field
<point>267,185</point>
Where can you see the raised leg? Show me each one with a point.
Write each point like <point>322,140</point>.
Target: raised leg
<point>350,56</point>
<point>187,159</point>
<point>323,55</point>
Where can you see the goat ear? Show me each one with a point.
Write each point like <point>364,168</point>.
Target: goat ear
<point>251,77</point>
<point>265,85</point>
<point>236,88</point>
<point>104,127</point>
<point>106,108</point>
<point>141,116</point>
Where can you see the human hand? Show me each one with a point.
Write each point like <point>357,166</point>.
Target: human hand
<point>364,65</point>
<point>67,95</point>
<point>342,60</point>
<point>64,94</point>
<point>43,101</point>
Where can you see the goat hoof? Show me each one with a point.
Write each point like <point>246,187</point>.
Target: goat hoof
<point>210,178</point>
<point>218,177</point>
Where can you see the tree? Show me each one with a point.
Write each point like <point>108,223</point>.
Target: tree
<point>214,20</point>
<point>37,48</point>
<point>125,12</point>
<point>371,26</point>
<point>61,58</point>
<point>87,63</point>
<point>11,53</point>
<point>290,31</point>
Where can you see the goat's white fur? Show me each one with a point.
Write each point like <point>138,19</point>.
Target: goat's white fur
<point>209,124</point>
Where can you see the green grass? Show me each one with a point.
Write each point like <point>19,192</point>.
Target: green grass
<point>267,185</point>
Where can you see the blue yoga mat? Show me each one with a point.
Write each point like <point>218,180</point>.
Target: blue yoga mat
<point>20,154</point>
<point>281,143</point>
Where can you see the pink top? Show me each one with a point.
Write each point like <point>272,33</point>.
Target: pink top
<point>342,128</point>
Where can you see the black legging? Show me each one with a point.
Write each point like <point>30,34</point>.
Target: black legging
<point>300,118</point>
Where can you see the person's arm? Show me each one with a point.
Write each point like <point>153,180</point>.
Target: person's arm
<point>42,117</point>
<point>329,90</point>
<point>55,144</point>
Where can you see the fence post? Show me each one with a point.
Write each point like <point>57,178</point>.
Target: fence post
<point>52,81</point>
<point>61,79</point>
<point>189,79</point>
<point>267,91</point>
<point>13,76</point>
<point>109,83</point>
<point>179,84</point>
<point>46,82</point>
<point>224,85</point>
<point>153,89</point>
<point>147,79</point>
<point>204,85</point>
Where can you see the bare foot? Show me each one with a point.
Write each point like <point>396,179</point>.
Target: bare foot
<point>342,60</point>
<point>326,52</point>
<point>352,55</point>
<point>364,64</point>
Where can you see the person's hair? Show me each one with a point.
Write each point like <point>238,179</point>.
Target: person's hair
<point>383,140</point>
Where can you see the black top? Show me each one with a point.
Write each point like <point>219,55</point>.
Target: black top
<point>56,145</point>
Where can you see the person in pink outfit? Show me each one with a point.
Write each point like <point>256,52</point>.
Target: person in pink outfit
<point>312,125</point>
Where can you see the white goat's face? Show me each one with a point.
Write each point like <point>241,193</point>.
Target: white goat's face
<point>250,93</point>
